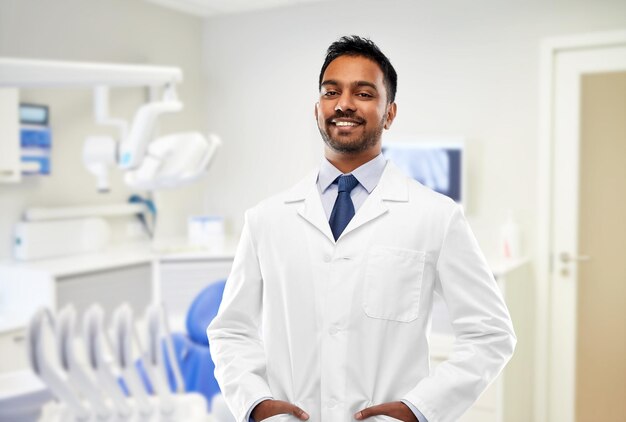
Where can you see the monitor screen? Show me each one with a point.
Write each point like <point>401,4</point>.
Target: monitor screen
<point>436,165</point>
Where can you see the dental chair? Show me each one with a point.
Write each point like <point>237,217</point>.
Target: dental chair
<point>192,348</point>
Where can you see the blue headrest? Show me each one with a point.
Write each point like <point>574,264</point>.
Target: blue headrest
<point>202,311</point>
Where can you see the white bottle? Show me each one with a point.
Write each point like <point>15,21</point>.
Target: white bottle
<point>510,247</point>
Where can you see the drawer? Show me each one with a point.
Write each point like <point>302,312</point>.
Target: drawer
<point>110,288</point>
<point>13,351</point>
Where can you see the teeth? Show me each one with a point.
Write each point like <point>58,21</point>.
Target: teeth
<point>345,123</point>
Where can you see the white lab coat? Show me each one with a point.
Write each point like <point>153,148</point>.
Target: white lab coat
<point>335,327</point>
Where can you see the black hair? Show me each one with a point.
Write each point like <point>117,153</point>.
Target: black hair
<point>354,45</point>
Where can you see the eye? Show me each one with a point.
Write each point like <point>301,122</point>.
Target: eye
<point>330,93</point>
<point>365,95</point>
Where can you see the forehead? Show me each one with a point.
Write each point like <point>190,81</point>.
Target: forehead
<point>348,69</point>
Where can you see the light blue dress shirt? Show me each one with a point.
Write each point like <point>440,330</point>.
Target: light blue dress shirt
<point>368,176</point>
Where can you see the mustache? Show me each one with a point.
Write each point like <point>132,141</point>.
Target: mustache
<point>345,115</point>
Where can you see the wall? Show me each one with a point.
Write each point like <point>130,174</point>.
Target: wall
<point>119,31</point>
<point>465,68</point>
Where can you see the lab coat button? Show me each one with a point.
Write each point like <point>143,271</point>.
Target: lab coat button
<point>333,331</point>
<point>327,258</point>
<point>332,403</point>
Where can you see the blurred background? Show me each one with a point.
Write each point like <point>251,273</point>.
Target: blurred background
<point>531,94</point>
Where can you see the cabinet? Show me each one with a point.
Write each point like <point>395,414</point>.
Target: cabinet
<point>109,279</point>
<point>13,350</point>
<point>10,170</point>
<point>128,273</point>
<point>181,277</point>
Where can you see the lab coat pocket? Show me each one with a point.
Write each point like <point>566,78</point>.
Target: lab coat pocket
<point>393,282</point>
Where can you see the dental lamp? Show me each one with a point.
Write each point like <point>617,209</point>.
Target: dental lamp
<point>150,163</point>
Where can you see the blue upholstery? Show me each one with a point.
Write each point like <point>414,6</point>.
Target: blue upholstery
<point>192,349</point>
<point>202,311</point>
<point>196,367</point>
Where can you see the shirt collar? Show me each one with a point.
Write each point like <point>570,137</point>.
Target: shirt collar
<point>367,174</point>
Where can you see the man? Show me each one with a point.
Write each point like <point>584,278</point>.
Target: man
<point>326,311</point>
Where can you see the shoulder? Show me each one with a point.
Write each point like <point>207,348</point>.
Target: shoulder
<point>425,195</point>
<point>417,194</point>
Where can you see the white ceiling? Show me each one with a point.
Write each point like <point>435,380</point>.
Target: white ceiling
<point>221,7</point>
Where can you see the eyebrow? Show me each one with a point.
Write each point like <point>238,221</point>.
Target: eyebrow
<point>357,83</point>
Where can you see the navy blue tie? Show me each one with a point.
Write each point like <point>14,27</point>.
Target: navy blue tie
<point>343,210</point>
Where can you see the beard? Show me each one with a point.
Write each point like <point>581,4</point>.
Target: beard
<point>344,145</point>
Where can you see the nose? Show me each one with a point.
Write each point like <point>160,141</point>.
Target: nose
<point>345,103</point>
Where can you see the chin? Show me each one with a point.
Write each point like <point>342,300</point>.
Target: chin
<point>347,147</point>
<point>349,144</point>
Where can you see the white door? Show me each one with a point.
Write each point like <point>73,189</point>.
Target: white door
<point>570,67</point>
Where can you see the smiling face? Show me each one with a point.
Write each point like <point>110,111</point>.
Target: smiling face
<point>353,109</point>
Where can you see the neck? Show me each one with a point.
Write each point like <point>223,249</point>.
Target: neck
<point>346,163</point>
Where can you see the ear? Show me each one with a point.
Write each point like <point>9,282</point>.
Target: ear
<point>316,107</point>
<point>391,114</point>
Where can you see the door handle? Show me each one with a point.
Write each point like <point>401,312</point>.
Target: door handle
<point>566,257</point>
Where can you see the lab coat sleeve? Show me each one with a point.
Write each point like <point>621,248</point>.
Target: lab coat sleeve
<point>234,335</point>
<point>482,326</point>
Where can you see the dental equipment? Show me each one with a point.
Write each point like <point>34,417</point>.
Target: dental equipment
<point>125,333</point>
<point>174,160</point>
<point>96,340</point>
<point>133,147</point>
<point>48,371</point>
<point>84,396</point>
<point>158,332</point>
<point>98,157</point>
<point>165,162</point>
<point>101,111</point>
<point>77,376</point>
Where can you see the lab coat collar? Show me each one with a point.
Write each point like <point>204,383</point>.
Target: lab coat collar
<point>392,187</point>
<point>311,208</point>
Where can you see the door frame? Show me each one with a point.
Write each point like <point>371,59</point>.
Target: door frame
<point>550,48</point>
